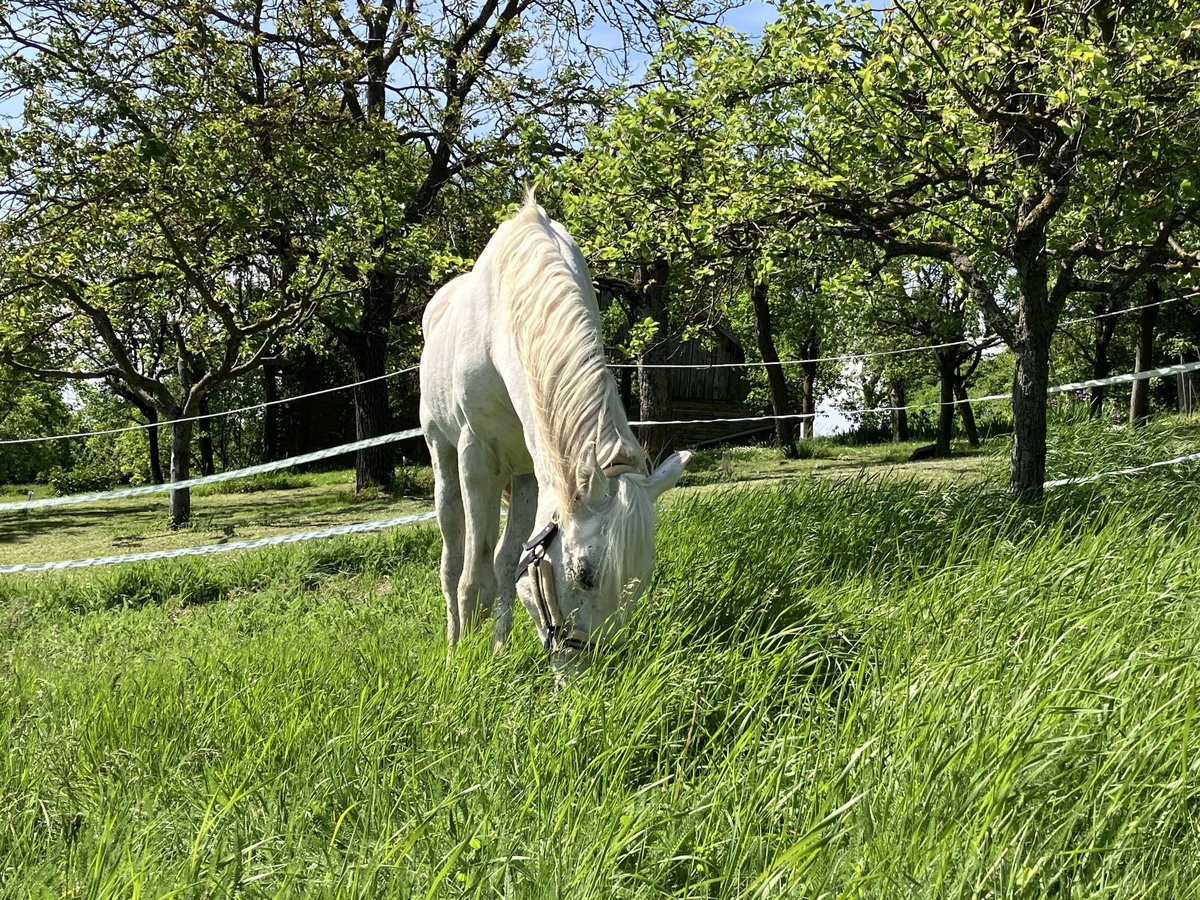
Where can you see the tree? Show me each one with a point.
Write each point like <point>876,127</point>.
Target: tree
<point>29,409</point>
<point>641,195</point>
<point>781,404</point>
<point>1053,139</point>
<point>331,134</point>
<point>1139,396</point>
<point>927,306</point>
<point>436,94</point>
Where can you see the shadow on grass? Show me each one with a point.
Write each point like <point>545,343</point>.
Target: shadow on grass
<point>149,520</point>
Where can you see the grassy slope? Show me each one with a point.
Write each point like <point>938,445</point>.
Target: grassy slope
<point>874,688</point>
<point>240,510</point>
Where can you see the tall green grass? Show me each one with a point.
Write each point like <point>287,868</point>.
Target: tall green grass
<point>864,689</point>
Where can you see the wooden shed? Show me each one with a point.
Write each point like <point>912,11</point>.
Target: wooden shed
<point>711,388</point>
<point>717,391</point>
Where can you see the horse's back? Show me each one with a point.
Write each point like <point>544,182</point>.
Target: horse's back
<point>473,379</point>
<point>439,306</point>
<point>464,388</point>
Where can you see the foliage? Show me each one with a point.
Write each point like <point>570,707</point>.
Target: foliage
<point>82,477</point>
<point>29,409</point>
<point>1038,150</point>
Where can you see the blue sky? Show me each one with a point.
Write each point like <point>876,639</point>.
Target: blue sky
<point>751,18</point>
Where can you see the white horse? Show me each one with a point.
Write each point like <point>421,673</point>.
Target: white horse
<point>515,393</point>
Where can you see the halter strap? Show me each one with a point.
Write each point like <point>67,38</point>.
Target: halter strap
<point>536,545</point>
<point>545,594</point>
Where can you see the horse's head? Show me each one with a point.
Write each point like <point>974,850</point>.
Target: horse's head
<point>596,553</point>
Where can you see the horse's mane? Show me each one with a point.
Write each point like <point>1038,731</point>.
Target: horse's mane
<point>555,326</point>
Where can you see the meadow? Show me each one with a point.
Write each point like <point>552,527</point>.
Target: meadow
<point>858,680</point>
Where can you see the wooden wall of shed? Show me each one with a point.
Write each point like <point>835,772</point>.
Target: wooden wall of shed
<point>722,382</point>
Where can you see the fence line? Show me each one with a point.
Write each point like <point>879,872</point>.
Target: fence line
<point>935,404</point>
<point>742,365</point>
<point>231,475</point>
<point>278,465</point>
<point>381,524</point>
<point>1129,309</point>
<point>850,357</point>
<point>1135,470</point>
<point>211,415</point>
<point>362,527</point>
<point>209,549</point>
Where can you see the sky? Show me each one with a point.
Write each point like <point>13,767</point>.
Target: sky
<point>751,18</point>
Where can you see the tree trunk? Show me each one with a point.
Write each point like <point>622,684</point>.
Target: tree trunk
<point>1030,382</point>
<point>301,416</point>
<point>1139,398</point>
<point>626,388</point>
<point>810,350</point>
<point>207,466</point>
<point>654,384</point>
<point>181,447</point>
<point>970,431</point>
<point>156,470</point>
<point>1101,367</point>
<point>808,404</point>
<point>271,413</point>
<point>898,415</point>
<point>375,466</point>
<point>780,406</point>
<point>121,390</point>
<point>1037,315</point>
<point>947,363</point>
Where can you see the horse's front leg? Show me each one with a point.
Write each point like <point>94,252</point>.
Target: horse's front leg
<point>481,486</point>
<point>522,508</point>
<point>449,504</point>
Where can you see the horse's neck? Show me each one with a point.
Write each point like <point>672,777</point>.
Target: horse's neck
<point>564,394</point>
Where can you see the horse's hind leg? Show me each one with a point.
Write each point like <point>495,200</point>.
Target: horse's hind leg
<point>481,486</point>
<point>447,494</point>
<point>522,507</point>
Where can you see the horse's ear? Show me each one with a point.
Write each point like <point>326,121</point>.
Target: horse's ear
<point>593,483</point>
<point>666,475</point>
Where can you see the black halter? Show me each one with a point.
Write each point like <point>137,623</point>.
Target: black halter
<point>535,547</point>
<point>545,595</point>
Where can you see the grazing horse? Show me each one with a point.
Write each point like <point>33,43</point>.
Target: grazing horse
<point>516,393</point>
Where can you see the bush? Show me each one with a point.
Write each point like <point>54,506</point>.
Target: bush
<point>87,476</point>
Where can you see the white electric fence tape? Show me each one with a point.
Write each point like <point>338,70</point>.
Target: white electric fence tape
<point>421,517</point>
<point>848,357</point>
<point>293,538</point>
<point>1135,470</point>
<point>231,475</point>
<point>1179,369</point>
<point>278,465</point>
<point>875,354</point>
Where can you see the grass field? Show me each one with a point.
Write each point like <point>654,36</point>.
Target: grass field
<point>869,685</point>
<point>285,502</point>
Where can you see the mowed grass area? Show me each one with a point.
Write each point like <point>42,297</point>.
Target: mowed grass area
<point>283,502</point>
<point>228,511</point>
<point>856,687</point>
